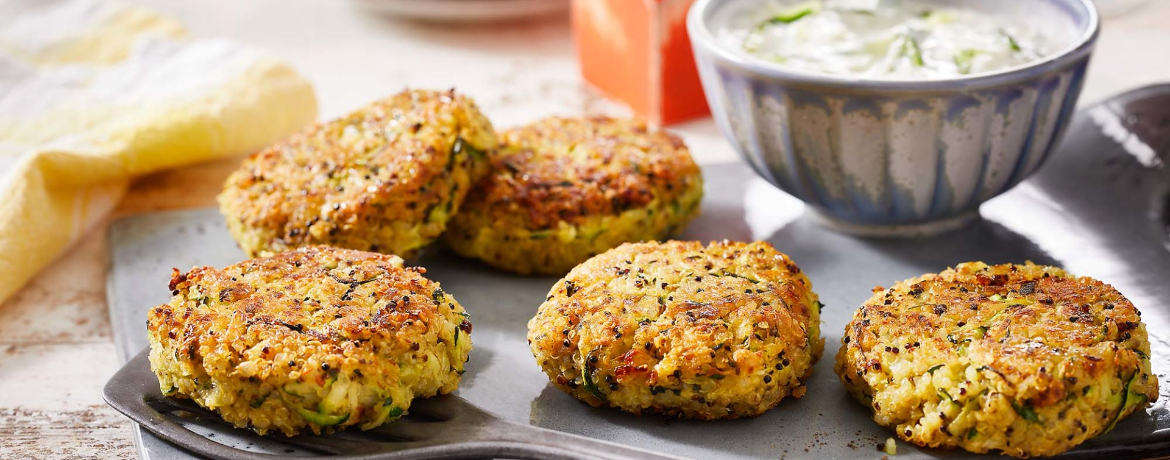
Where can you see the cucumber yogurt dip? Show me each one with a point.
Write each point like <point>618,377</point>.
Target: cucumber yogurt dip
<point>890,40</point>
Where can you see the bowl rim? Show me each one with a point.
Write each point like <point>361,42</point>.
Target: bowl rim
<point>701,37</point>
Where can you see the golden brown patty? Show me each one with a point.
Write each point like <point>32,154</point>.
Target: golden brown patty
<point>314,339</point>
<point>384,178</point>
<point>566,189</point>
<point>1025,359</point>
<point>675,328</point>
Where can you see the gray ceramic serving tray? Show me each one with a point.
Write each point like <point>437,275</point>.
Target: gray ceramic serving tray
<point>1099,208</point>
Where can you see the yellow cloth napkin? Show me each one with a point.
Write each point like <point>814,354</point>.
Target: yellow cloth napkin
<point>93,93</point>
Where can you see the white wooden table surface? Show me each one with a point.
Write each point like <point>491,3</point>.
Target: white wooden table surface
<point>55,339</point>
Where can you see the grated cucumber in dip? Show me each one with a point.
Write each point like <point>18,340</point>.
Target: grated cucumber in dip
<point>888,39</point>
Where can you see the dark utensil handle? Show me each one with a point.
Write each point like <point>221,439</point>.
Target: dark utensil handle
<point>134,387</point>
<point>523,443</point>
<point>517,442</point>
<point>532,443</point>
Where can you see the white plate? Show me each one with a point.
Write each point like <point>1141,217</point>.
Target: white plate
<point>465,10</point>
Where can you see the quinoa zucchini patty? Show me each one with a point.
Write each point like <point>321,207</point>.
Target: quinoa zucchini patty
<point>675,328</point>
<point>566,189</point>
<point>315,339</point>
<point>1024,359</point>
<point>385,178</point>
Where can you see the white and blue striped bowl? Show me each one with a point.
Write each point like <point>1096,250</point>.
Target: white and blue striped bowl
<point>896,157</point>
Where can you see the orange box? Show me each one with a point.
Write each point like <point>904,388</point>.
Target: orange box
<point>637,51</point>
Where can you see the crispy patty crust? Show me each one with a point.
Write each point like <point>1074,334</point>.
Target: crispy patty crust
<point>314,339</point>
<point>1024,359</point>
<point>385,178</point>
<point>566,189</point>
<point>676,328</point>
